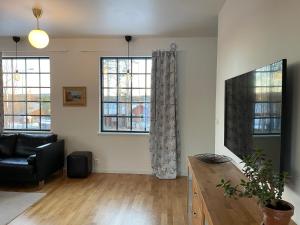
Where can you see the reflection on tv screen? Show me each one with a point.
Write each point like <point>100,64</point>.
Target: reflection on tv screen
<point>253,111</point>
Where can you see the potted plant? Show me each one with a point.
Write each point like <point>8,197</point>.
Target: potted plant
<point>266,185</point>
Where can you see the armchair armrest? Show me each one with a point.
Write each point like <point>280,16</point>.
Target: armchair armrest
<point>49,158</point>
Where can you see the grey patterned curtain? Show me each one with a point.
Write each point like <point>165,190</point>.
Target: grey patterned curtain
<point>1,96</point>
<point>163,130</point>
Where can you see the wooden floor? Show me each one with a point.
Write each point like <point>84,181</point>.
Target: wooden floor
<point>107,199</point>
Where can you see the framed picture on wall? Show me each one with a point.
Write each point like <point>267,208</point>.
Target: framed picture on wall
<point>74,96</point>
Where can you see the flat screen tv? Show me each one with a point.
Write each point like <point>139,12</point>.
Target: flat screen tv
<point>255,112</point>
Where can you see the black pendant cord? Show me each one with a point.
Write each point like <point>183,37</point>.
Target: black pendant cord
<point>16,50</point>
<point>128,39</point>
<point>16,40</point>
<point>128,50</point>
<point>128,57</point>
<point>17,57</point>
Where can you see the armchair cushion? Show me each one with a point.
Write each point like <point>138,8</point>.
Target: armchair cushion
<point>27,143</point>
<point>7,144</point>
<point>16,169</point>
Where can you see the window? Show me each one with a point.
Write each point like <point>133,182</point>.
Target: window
<point>125,94</point>
<point>268,102</point>
<point>26,95</point>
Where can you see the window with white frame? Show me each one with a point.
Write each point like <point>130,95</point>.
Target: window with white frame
<point>125,94</point>
<point>26,94</point>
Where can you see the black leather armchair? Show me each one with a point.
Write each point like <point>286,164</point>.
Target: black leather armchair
<point>30,158</point>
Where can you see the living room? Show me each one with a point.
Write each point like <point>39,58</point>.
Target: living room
<point>211,41</point>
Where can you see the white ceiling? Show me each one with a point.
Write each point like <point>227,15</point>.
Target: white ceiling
<point>91,18</point>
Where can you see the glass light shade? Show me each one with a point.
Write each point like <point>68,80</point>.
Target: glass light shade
<point>38,38</point>
<point>16,75</point>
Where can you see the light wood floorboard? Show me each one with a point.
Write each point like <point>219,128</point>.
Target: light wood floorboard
<point>107,199</point>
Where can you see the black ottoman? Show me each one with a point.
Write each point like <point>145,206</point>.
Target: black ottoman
<point>79,164</point>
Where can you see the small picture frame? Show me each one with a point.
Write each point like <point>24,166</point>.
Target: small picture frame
<point>74,96</point>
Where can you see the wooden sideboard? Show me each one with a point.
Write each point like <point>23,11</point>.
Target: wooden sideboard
<point>209,203</point>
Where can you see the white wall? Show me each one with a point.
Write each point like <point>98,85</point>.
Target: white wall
<point>252,34</point>
<point>75,62</point>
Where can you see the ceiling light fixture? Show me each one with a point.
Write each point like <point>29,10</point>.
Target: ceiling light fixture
<point>38,38</point>
<point>16,40</point>
<point>128,39</point>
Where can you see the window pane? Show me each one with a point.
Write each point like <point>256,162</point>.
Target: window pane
<point>138,95</point>
<point>33,80</point>
<point>7,94</point>
<point>32,65</point>
<point>19,108</point>
<point>19,80</point>
<point>110,95</point>
<point>124,80</point>
<point>138,109</point>
<point>124,65</point>
<point>139,66</point>
<point>33,108</point>
<point>45,66</point>
<point>45,94</point>
<point>7,80</point>
<point>19,65</point>
<point>124,109</point>
<point>148,81</point>
<point>124,95</point>
<point>7,108</point>
<point>110,80</point>
<point>45,108</point>
<point>110,109</point>
<point>19,94</point>
<point>33,122</point>
<point>148,95</point>
<point>109,66</point>
<point>45,122</point>
<point>19,122</point>
<point>124,123</point>
<point>138,124</point>
<point>147,119</point>
<point>7,65</point>
<point>147,110</point>
<point>8,122</point>
<point>109,123</point>
<point>138,81</point>
<point>149,65</point>
<point>33,94</point>
<point>45,80</point>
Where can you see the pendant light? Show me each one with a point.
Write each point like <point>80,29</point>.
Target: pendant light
<point>16,40</point>
<point>128,39</point>
<point>38,38</point>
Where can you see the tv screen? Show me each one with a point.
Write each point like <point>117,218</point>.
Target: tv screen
<point>254,112</point>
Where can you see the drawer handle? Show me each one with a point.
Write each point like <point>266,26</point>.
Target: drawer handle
<point>195,193</point>
<point>194,213</point>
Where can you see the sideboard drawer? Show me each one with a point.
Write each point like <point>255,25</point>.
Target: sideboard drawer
<point>197,210</point>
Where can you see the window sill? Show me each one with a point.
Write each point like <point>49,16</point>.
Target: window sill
<point>122,134</point>
<point>27,131</point>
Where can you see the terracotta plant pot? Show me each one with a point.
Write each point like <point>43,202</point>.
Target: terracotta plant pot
<point>281,216</point>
